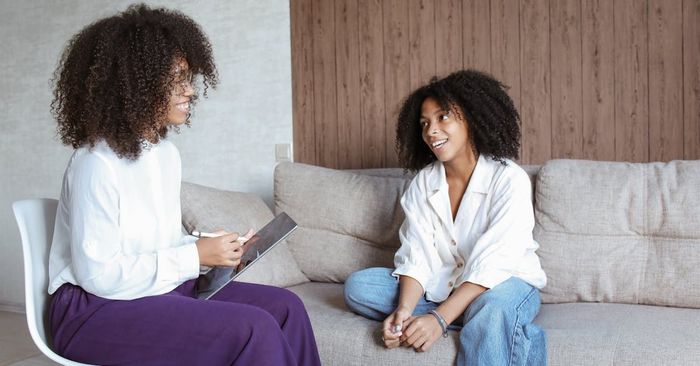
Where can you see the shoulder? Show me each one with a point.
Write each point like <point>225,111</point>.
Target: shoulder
<point>88,162</point>
<point>509,176</point>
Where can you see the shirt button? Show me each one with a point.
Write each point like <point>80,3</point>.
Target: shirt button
<point>454,242</point>
<point>459,265</point>
<point>450,284</point>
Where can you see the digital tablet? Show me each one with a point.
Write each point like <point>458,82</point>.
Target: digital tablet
<point>258,245</point>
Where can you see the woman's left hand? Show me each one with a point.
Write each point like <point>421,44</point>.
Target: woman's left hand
<point>421,332</point>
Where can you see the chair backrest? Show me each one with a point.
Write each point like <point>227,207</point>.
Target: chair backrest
<point>35,219</point>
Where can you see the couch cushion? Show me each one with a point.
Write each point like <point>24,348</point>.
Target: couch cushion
<point>347,221</point>
<point>620,232</point>
<point>344,338</point>
<point>577,334</point>
<point>208,209</point>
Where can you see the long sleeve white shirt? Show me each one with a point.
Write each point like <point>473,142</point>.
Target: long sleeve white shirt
<point>489,241</point>
<point>118,225</point>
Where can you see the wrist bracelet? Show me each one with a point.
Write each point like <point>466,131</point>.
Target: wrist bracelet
<point>441,321</point>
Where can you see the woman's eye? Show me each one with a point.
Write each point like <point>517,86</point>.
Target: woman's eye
<point>444,117</point>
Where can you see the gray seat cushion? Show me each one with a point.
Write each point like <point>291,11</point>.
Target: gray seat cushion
<point>577,334</point>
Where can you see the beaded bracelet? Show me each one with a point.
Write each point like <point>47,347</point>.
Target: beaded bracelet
<point>441,320</point>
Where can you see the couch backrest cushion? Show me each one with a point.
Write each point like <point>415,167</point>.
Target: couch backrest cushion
<point>209,209</point>
<point>620,232</point>
<point>347,221</point>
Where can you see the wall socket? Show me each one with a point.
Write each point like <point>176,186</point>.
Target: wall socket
<point>283,152</point>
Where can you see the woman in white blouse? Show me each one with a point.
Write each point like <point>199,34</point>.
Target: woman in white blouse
<point>122,274</point>
<point>467,257</point>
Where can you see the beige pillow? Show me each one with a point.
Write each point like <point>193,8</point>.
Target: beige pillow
<point>208,209</point>
<point>620,232</point>
<point>347,221</point>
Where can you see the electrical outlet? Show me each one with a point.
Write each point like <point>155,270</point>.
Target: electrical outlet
<point>283,152</point>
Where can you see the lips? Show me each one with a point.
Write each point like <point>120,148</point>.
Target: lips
<point>438,144</point>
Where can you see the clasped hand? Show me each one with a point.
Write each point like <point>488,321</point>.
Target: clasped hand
<point>418,332</point>
<point>223,250</point>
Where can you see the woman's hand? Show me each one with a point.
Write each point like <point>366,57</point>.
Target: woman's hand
<point>393,325</point>
<point>222,250</point>
<point>421,332</point>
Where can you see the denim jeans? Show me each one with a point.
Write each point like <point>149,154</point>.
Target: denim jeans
<point>496,329</point>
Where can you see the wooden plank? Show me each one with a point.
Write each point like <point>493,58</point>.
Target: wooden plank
<point>421,28</point>
<point>505,47</point>
<point>665,80</point>
<point>535,95</point>
<point>396,68</point>
<point>324,84</point>
<point>567,129</point>
<point>477,35</point>
<point>631,81</point>
<point>598,74</point>
<point>448,38</point>
<point>348,84</point>
<point>302,81</point>
<point>372,117</point>
<point>691,78</point>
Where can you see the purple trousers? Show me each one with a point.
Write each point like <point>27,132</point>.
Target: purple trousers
<point>243,324</point>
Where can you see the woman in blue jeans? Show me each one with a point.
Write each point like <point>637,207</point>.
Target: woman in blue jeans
<point>467,257</point>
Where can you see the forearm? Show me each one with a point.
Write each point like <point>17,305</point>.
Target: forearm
<point>459,300</point>
<point>410,292</point>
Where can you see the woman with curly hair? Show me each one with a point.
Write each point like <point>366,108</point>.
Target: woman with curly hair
<point>122,275</point>
<point>467,257</point>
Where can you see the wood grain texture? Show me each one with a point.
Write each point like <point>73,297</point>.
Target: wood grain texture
<point>592,79</point>
<point>372,119</point>
<point>421,33</point>
<point>665,80</point>
<point>325,99</point>
<point>691,78</point>
<point>348,84</point>
<point>631,81</point>
<point>477,35</point>
<point>396,69</point>
<point>505,48</point>
<point>302,80</point>
<point>567,125</point>
<point>597,76</point>
<point>535,98</point>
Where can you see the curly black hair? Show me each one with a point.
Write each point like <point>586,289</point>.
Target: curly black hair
<point>114,78</point>
<point>493,122</point>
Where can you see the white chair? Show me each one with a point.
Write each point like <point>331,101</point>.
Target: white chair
<point>35,218</point>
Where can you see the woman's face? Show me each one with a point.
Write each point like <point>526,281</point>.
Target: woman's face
<point>445,132</point>
<point>179,104</point>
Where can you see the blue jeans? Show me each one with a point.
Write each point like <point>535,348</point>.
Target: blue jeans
<point>496,329</point>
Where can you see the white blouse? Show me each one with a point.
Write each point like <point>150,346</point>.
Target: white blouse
<point>118,226</point>
<point>489,241</point>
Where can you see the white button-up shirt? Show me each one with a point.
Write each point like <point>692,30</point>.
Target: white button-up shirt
<point>489,240</point>
<point>118,226</point>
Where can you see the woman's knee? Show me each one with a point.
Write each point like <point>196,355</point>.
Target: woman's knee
<point>358,283</point>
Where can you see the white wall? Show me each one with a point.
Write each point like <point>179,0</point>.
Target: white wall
<point>234,131</point>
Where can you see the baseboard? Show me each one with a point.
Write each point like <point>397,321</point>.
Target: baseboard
<point>12,307</point>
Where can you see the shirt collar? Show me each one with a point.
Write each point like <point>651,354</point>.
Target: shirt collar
<point>478,183</point>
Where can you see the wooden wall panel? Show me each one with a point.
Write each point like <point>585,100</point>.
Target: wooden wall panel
<point>691,78</point>
<point>597,76</point>
<point>372,124</point>
<point>631,81</point>
<point>325,115</point>
<point>396,69</point>
<point>567,126</point>
<point>302,81</point>
<point>448,38</point>
<point>348,84</point>
<point>592,79</point>
<point>665,80</point>
<point>535,101</point>
<point>476,15</point>
<point>505,48</point>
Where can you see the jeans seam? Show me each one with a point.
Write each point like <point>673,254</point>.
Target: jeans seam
<point>517,325</point>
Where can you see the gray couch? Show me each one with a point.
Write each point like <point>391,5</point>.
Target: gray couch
<point>620,244</point>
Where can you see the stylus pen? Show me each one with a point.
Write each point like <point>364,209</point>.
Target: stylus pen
<point>202,234</point>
